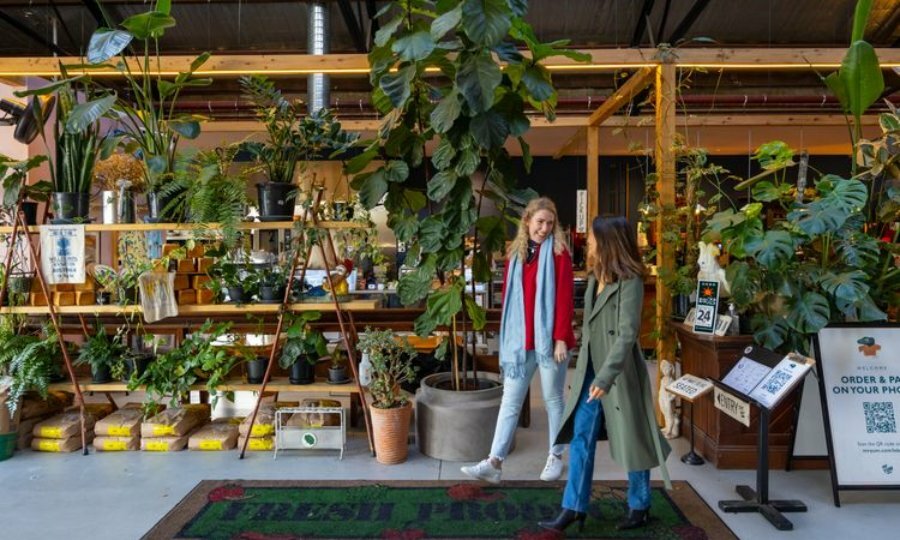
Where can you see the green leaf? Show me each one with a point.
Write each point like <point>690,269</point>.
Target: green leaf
<point>477,79</point>
<point>862,79</point>
<point>199,61</point>
<point>359,162</point>
<point>889,122</point>
<point>467,163</point>
<point>85,114</point>
<point>164,6</point>
<point>766,191</point>
<point>189,129</point>
<point>414,47</point>
<point>445,23</point>
<point>396,86</point>
<point>431,234</point>
<point>444,303</point>
<point>396,171</point>
<point>150,24</point>
<point>404,226</point>
<point>771,248</point>
<point>492,231</point>
<point>527,160</point>
<point>49,89</point>
<point>537,80</point>
<point>508,52</point>
<point>849,195</point>
<point>443,154</point>
<point>724,220</point>
<point>518,7</point>
<point>860,18</point>
<point>425,325</point>
<point>486,22</point>
<point>489,129</point>
<point>809,313</point>
<point>858,249</point>
<point>106,43</point>
<point>476,313</point>
<point>387,30</point>
<point>109,145</point>
<point>440,185</point>
<point>414,286</point>
<point>770,333</point>
<point>847,287</point>
<point>373,188</point>
<point>446,112</point>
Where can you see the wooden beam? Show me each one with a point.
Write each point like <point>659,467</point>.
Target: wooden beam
<point>357,65</point>
<point>623,95</point>
<point>568,147</point>
<point>664,154</point>
<point>362,124</point>
<point>593,172</point>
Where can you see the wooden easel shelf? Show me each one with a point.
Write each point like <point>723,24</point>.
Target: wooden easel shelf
<point>195,310</point>
<point>237,385</point>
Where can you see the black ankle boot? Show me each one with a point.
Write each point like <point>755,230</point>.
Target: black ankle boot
<point>565,518</point>
<point>634,520</point>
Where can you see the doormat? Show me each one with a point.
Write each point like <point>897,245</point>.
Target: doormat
<point>290,510</point>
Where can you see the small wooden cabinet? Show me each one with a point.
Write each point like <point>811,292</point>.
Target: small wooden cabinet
<point>725,442</point>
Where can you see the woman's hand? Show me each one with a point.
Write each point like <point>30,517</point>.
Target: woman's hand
<point>595,392</point>
<point>560,352</point>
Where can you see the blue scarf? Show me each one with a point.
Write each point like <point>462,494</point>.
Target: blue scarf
<point>512,323</point>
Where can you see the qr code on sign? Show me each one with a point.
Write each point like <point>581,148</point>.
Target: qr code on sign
<point>777,381</point>
<point>880,417</point>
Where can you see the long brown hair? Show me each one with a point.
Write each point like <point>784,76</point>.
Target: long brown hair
<point>615,256</point>
<point>519,245</point>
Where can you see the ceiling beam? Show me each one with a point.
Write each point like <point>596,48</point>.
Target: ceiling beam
<point>641,79</point>
<point>642,23</point>
<point>359,40</point>
<point>688,21</point>
<point>662,24</point>
<point>603,60</point>
<point>884,22</point>
<point>34,36</point>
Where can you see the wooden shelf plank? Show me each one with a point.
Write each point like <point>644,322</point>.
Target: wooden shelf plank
<point>253,225</point>
<point>198,310</point>
<point>238,385</point>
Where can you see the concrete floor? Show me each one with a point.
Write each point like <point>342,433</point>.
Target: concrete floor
<point>121,495</point>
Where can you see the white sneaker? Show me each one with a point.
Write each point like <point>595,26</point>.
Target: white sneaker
<point>483,470</point>
<point>553,469</point>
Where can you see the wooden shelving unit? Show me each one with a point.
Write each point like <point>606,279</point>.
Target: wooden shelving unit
<point>138,227</point>
<point>276,385</point>
<point>194,309</point>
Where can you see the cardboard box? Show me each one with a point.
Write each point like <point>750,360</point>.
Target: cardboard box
<point>186,266</point>
<point>63,287</point>
<point>204,264</point>
<point>315,419</point>
<point>64,299</point>
<point>258,444</point>
<point>199,282</point>
<point>37,299</point>
<point>175,422</point>
<point>85,298</point>
<point>125,422</point>
<point>63,425</point>
<point>163,444</point>
<point>205,296</point>
<point>88,285</point>
<point>187,297</point>
<point>221,434</point>
<point>181,282</point>
<point>60,445</point>
<point>169,248</point>
<point>197,252</point>
<point>117,444</point>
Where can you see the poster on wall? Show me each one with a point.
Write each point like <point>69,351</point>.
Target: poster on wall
<point>859,379</point>
<point>62,253</point>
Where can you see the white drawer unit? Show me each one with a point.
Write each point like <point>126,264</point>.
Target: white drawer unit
<point>312,437</point>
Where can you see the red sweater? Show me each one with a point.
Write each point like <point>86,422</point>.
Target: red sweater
<point>565,301</point>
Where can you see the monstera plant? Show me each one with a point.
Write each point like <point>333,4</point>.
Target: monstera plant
<point>451,74</point>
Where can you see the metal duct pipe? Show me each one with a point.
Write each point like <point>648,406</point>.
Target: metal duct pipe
<point>319,42</point>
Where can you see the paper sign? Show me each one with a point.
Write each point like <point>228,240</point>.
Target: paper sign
<point>689,387</point>
<point>732,406</point>
<point>581,211</point>
<point>62,253</point>
<point>707,307</point>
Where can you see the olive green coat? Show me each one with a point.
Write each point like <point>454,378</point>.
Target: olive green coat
<point>609,338</point>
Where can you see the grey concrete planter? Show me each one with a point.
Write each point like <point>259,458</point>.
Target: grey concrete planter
<point>457,426</point>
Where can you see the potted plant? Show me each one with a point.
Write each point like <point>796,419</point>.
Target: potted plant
<point>391,359</point>
<point>337,371</point>
<point>29,359</point>
<point>14,178</point>
<point>302,347</point>
<point>105,354</point>
<point>272,283</point>
<point>236,279</point>
<point>120,176</point>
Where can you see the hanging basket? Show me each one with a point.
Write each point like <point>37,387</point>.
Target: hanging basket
<point>390,428</point>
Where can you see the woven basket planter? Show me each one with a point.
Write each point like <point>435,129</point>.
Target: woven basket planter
<point>390,428</point>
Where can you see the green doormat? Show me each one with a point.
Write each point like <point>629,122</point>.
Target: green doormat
<point>288,510</point>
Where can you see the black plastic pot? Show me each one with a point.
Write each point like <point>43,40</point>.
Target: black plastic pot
<point>128,296</point>
<point>100,375</point>
<point>238,295</point>
<point>71,207</point>
<point>104,298</point>
<point>681,304</point>
<point>303,371</point>
<point>30,208</point>
<point>158,207</point>
<point>137,364</point>
<point>276,201</point>
<point>271,294</point>
<point>256,369</point>
<point>337,374</point>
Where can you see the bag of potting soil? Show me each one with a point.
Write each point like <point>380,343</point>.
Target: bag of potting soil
<point>177,421</point>
<point>34,406</point>
<point>222,434</point>
<point>258,444</point>
<point>117,444</point>
<point>69,444</point>
<point>63,426</point>
<point>264,426</point>
<point>163,444</point>
<point>126,422</point>
<point>97,410</point>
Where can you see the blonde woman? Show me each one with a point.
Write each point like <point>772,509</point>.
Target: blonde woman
<point>535,333</point>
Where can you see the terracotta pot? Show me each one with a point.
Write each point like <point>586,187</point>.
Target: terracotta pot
<point>390,427</point>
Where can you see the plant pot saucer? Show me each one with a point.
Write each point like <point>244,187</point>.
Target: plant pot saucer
<point>345,381</point>
<point>266,219</point>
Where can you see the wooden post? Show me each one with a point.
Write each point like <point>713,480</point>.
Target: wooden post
<point>593,172</point>
<point>665,168</point>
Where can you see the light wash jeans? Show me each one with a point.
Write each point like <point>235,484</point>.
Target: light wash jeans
<point>553,380</point>
<point>586,426</point>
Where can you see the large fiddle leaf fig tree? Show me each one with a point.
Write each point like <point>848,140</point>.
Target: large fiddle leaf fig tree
<point>450,74</point>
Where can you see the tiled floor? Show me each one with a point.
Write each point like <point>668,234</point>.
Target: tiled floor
<point>121,495</point>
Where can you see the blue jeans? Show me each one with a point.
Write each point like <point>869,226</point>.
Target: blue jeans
<point>553,380</point>
<point>577,495</point>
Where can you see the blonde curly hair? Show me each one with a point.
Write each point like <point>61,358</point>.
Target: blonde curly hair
<point>519,245</point>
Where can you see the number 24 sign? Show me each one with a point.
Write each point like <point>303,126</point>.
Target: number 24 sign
<point>707,307</point>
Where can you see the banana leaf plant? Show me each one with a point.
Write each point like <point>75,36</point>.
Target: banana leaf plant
<point>450,73</point>
<point>147,115</point>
